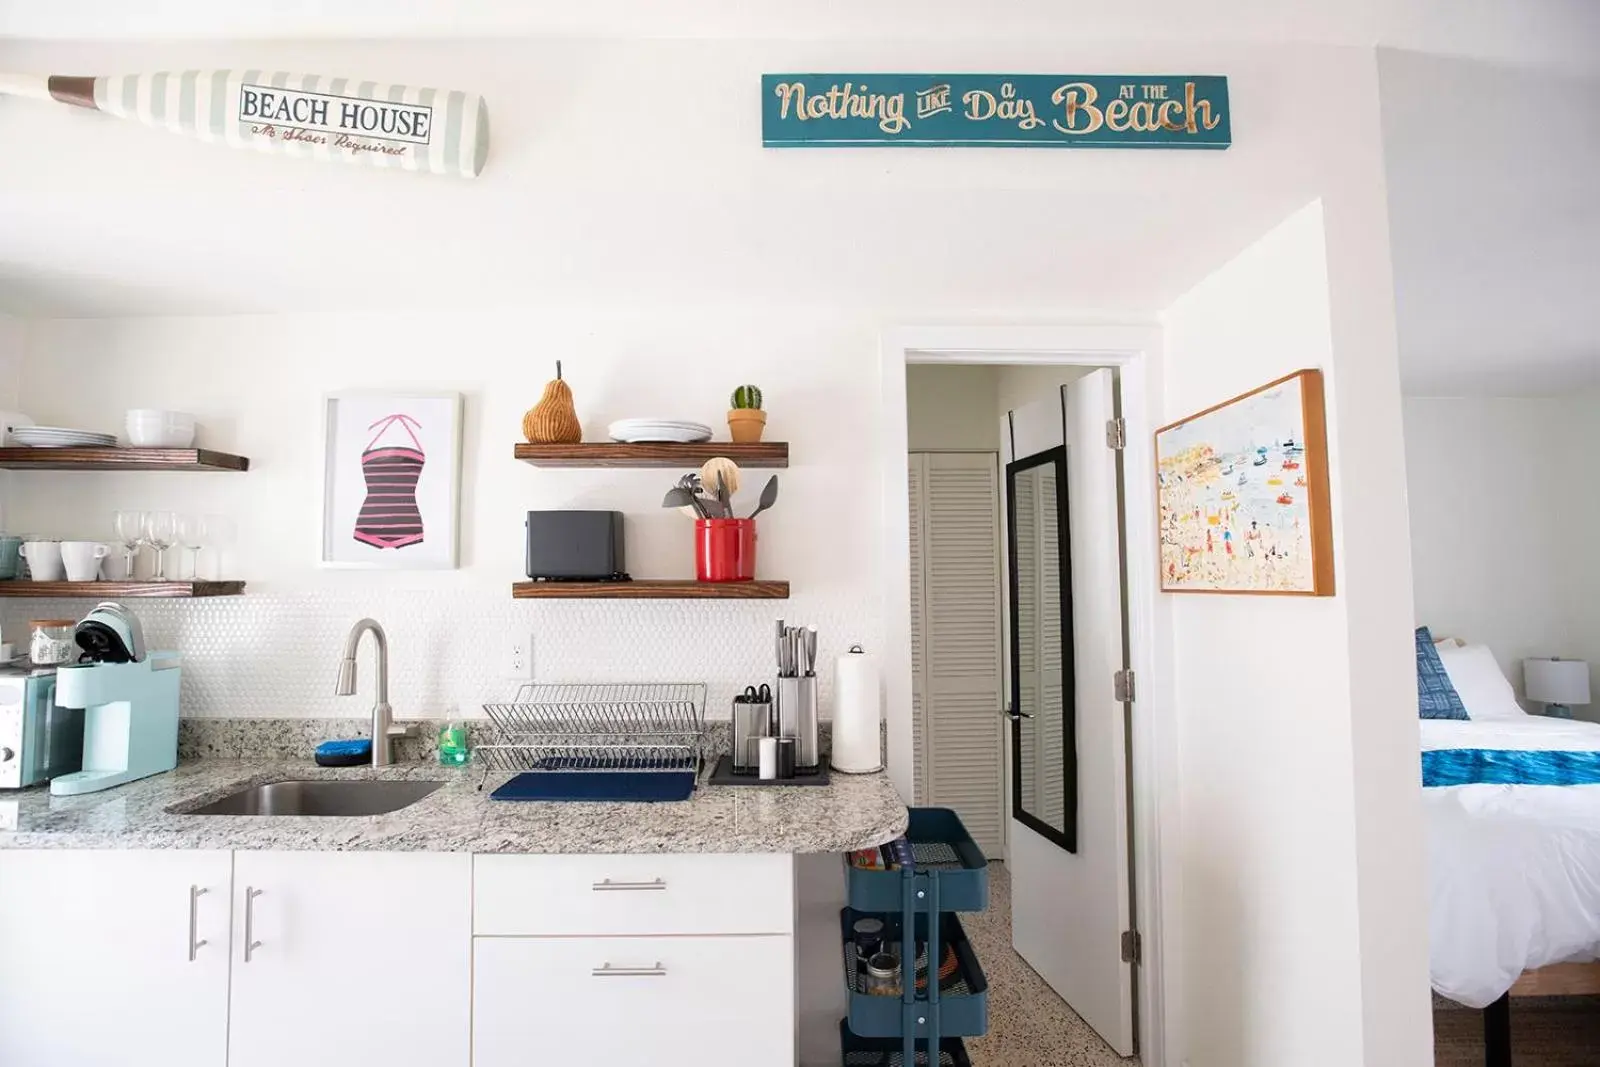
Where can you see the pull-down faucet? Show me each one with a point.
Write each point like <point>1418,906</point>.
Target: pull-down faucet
<point>383,728</point>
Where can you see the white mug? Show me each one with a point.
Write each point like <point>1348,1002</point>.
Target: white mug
<point>82,559</point>
<point>44,560</point>
<point>114,568</point>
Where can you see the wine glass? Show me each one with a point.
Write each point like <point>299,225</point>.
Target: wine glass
<point>160,528</point>
<point>191,536</point>
<point>130,535</point>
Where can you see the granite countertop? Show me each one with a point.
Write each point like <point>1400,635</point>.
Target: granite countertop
<point>853,811</point>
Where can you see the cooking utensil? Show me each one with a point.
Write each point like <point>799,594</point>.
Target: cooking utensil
<point>692,510</point>
<point>682,498</point>
<point>724,466</point>
<point>810,650</point>
<point>769,496</point>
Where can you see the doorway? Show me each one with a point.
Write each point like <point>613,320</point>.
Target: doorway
<point>1022,544</point>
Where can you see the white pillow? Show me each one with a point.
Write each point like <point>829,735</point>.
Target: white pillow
<point>1483,689</point>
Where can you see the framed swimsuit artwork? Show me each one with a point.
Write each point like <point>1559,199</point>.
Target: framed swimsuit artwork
<point>391,480</point>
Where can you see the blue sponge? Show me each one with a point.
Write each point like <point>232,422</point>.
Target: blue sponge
<point>344,753</point>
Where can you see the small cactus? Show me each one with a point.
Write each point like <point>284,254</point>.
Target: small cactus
<point>747,396</point>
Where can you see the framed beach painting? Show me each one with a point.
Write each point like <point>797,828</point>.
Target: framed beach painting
<point>392,480</point>
<point>1243,494</point>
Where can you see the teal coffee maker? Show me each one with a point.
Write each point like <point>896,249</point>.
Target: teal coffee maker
<point>129,698</point>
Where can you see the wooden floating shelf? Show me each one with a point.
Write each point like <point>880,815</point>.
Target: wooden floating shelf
<point>651,589</point>
<point>120,590</point>
<point>665,454</point>
<point>120,459</point>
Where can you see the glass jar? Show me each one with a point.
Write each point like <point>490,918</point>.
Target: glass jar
<point>51,644</point>
<point>880,975</point>
<point>867,933</point>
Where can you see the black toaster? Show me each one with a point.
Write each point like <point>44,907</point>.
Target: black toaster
<point>576,546</point>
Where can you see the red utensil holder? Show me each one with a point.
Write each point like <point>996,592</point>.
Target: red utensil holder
<point>725,550</point>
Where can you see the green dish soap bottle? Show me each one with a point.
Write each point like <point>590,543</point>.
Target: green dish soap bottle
<point>453,750</point>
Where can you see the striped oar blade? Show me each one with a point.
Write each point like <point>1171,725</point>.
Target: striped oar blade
<point>401,127</point>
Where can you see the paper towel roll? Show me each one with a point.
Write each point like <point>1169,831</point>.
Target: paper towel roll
<point>856,713</point>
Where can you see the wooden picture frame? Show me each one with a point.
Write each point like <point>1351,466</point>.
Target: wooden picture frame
<point>1243,504</point>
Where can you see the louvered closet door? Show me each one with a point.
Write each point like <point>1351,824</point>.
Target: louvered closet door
<point>1052,742</point>
<point>1030,680</point>
<point>960,634</point>
<point>918,471</point>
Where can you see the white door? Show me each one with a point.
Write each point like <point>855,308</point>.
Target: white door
<point>101,964</point>
<point>1069,849</point>
<point>956,635</point>
<point>351,958</point>
<point>663,1001</point>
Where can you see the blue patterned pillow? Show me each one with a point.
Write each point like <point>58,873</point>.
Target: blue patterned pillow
<point>1436,697</point>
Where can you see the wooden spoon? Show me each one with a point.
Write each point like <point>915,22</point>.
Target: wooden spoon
<point>728,469</point>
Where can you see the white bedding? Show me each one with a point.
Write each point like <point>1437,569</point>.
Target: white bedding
<point>1514,870</point>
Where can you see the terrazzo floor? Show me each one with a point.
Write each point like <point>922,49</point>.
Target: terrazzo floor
<point>1029,1026</point>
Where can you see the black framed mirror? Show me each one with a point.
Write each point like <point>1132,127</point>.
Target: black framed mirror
<point>1044,751</point>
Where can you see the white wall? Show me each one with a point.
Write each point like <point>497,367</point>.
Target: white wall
<point>1278,962</point>
<point>951,408</point>
<point>1502,508</point>
<point>1494,225</point>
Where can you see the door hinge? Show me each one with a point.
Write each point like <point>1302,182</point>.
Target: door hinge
<point>1116,433</point>
<point>1122,686</point>
<point>1132,946</point>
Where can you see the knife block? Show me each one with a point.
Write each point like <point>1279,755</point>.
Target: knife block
<point>797,717</point>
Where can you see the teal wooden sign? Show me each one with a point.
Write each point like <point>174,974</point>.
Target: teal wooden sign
<point>995,110</point>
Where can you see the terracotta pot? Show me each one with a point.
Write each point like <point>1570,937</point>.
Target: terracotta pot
<point>745,425</point>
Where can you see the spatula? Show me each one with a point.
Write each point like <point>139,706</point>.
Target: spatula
<point>769,496</point>
<point>682,498</point>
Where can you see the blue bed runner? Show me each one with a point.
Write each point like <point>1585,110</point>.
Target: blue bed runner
<point>1492,766</point>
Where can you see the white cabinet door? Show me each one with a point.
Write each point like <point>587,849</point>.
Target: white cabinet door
<point>101,963</point>
<point>351,958</point>
<point>663,1001</point>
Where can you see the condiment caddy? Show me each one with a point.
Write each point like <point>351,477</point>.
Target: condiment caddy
<point>903,897</point>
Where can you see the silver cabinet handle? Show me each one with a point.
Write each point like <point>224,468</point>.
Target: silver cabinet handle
<point>606,884</point>
<point>250,942</point>
<point>605,970</point>
<point>195,893</point>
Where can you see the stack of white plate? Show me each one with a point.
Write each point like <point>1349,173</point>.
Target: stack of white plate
<point>644,430</point>
<point>61,437</point>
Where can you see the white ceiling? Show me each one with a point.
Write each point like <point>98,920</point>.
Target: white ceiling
<point>1546,31</point>
<point>1494,205</point>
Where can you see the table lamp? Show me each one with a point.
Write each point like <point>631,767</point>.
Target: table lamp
<point>1557,684</point>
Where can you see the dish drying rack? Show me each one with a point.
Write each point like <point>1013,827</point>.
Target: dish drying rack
<point>641,728</point>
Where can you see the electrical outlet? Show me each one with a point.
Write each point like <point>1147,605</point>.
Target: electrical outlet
<point>519,658</point>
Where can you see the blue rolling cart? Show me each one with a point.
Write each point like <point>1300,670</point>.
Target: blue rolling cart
<point>935,871</point>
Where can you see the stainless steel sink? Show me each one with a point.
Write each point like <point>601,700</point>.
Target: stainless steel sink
<point>320,798</point>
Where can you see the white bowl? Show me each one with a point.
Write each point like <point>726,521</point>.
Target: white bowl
<point>150,428</point>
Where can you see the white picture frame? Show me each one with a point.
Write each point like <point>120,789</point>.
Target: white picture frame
<point>414,439</point>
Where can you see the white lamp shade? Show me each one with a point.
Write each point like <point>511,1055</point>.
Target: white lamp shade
<point>1556,681</point>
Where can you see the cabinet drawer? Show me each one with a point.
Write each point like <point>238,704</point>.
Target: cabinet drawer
<point>664,1001</point>
<point>633,894</point>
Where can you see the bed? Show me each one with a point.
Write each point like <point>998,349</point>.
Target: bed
<point>1512,810</point>
<point>1514,869</point>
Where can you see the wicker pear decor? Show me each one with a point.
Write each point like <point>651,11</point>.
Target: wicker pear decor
<point>553,420</point>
